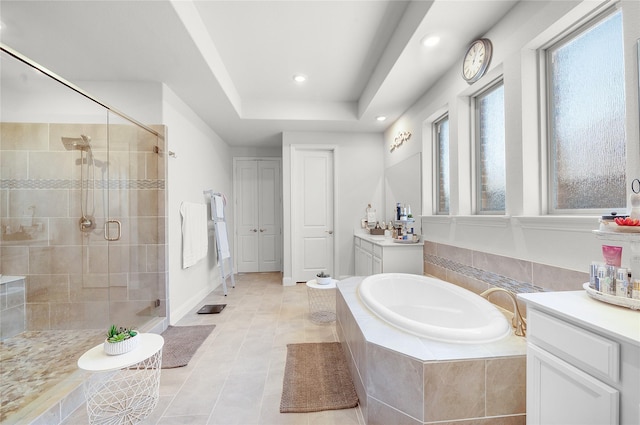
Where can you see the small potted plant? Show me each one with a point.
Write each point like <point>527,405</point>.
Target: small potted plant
<point>120,340</point>
<point>323,278</point>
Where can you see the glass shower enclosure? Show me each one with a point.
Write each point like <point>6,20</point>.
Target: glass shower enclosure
<point>82,232</point>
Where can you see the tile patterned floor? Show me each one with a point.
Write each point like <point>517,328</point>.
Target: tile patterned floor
<point>34,363</point>
<point>236,375</point>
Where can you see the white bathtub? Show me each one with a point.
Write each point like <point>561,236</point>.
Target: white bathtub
<point>431,308</point>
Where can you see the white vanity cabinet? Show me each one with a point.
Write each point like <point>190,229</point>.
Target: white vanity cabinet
<point>583,361</point>
<point>374,255</point>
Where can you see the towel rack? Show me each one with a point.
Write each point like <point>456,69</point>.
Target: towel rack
<point>218,201</point>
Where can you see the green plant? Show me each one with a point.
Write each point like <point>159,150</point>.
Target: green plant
<point>322,274</point>
<point>117,334</point>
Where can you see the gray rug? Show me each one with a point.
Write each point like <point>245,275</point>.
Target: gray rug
<point>181,342</point>
<point>316,377</point>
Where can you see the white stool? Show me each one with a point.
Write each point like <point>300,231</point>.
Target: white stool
<point>322,301</point>
<point>123,389</point>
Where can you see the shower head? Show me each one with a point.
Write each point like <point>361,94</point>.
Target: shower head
<point>82,143</point>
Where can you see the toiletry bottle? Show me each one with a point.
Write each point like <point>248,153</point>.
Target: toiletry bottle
<point>603,280</point>
<point>611,277</point>
<point>398,211</point>
<point>371,216</point>
<point>622,284</point>
<point>403,213</point>
<point>593,275</point>
<point>634,199</point>
<point>635,293</point>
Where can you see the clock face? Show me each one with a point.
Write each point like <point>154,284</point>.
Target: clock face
<point>476,60</point>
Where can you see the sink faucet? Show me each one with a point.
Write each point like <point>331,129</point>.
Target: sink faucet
<point>518,322</point>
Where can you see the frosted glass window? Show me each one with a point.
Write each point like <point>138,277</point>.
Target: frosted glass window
<point>441,129</point>
<point>490,155</point>
<point>587,119</point>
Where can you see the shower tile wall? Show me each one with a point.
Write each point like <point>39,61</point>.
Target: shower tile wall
<point>76,280</point>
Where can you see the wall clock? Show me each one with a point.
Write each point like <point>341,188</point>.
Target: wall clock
<point>476,60</point>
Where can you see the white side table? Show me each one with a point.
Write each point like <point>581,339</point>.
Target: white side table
<point>123,389</point>
<point>322,301</point>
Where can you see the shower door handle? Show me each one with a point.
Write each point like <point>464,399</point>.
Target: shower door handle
<point>106,230</point>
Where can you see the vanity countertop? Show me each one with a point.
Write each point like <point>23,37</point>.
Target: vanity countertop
<point>382,240</point>
<point>580,308</point>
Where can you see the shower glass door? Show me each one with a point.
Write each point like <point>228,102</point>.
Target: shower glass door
<point>134,224</point>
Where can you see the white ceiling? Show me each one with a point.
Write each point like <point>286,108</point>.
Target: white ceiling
<point>232,62</point>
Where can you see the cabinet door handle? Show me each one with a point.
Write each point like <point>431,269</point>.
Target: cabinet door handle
<point>254,230</point>
<point>329,232</point>
<point>262,230</point>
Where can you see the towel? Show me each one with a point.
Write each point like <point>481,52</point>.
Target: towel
<point>217,206</point>
<point>223,242</point>
<point>195,241</point>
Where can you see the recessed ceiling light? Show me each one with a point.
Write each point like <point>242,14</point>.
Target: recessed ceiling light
<point>430,40</point>
<point>299,78</point>
<point>381,118</point>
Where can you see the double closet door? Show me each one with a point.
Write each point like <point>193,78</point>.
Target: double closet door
<point>258,221</point>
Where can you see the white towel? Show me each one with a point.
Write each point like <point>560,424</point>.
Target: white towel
<point>223,242</point>
<point>195,241</point>
<point>217,206</point>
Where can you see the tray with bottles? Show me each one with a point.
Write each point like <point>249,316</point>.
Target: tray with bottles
<point>633,304</point>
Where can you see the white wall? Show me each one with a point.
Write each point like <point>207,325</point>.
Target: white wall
<point>203,161</point>
<point>359,169</point>
<point>525,232</point>
<point>256,152</point>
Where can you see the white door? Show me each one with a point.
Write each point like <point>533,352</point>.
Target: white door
<point>312,215</point>
<point>258,212</point>
<point>269,213</point>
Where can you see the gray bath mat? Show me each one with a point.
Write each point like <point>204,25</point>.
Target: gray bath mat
<point>181,342</point>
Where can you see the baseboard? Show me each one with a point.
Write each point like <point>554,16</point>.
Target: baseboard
<point>192,302</point>
<point>286,281</point>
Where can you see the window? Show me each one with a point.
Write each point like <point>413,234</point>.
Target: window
<point>587,155</point>
<point>490,154</point>
<point>441,132</point>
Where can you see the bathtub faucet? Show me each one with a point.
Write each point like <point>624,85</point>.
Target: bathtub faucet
<point>518,322</point>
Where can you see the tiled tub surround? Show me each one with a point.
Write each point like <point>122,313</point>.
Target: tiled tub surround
<point>479,271</point>
<point>12,300</point>
<point>403,379</point>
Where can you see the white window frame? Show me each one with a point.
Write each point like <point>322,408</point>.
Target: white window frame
<point>547,149</point>
<point>436,166</point>
<point>475,126</point>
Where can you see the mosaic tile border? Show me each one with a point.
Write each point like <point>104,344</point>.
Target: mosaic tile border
<point>50,184</point>
<point>491,278</point>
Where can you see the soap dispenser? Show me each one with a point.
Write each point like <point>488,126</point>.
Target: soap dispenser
<point>634,199</point>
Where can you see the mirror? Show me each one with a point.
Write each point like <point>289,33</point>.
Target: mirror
<point>403,183</point>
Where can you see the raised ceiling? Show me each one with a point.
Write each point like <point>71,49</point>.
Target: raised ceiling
<point>232,62</point>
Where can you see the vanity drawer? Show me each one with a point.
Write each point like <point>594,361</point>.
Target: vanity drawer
<point>357,241</point>
<point>591,352</point>
<point>366,245</point>
<point>377,251</point>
